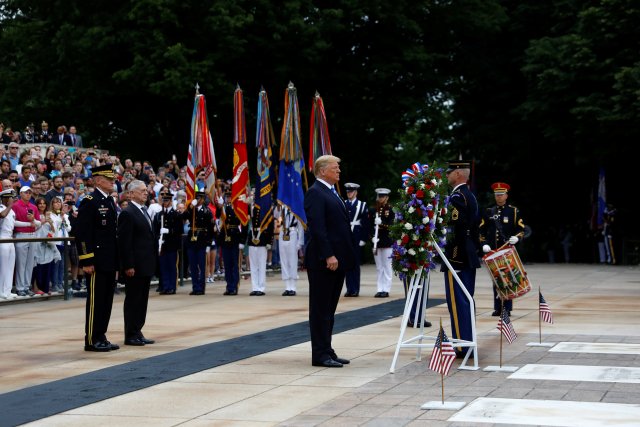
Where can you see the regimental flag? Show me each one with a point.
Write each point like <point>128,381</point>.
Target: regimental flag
<point>545,311</point>
<point>240,180</point>
<point>602,198</point>
<point>443,354</point>
<point>506,327</point>
<point>290,187</point>
<point>201,155</point>
<point>265,137</point>
<point>319,142</point>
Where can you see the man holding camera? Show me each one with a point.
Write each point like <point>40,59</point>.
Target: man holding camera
<point>27,221</point>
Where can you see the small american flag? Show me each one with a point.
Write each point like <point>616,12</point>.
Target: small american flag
<point>443,354</point>
<point>506,327</point>
<point>545,311</point>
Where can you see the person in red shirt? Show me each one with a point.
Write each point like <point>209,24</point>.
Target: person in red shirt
<point>27,221</point>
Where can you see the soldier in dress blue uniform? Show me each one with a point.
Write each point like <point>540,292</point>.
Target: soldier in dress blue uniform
<point>95,231</point>
<point>232,236</point>
<point>382,218</point>
<point>500,224</point>
<point>461,251</point>
<point>261,235</point>
<point>168,225</point>
<point>199,237</point>
<point>358,218</point>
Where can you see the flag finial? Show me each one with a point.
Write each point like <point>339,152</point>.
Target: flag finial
<point>317,95</point>
<point>197,88</point>
<point>290,85</point>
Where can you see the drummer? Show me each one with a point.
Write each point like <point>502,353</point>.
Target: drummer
<point>500,224</point>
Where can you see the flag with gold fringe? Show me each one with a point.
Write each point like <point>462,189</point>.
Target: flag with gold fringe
<point>201,155</point>
<point>240,180</point>
<point>319,141</point>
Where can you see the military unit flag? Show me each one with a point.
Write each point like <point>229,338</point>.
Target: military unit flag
<point>443,354</point>
<point>545,311</point>
<point>201,155</point>
<point>240,180</point>
<point>506,327</point>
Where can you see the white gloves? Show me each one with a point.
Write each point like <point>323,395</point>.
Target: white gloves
<point>361,243</point>
<point>164,230</point>
<point>194,202</point>
<point>378,221</point>
<point>241,246</point>
<point>486,249</point>
<point>513,240</point>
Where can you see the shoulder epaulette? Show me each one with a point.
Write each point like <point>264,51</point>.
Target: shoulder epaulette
<point>87,197</point>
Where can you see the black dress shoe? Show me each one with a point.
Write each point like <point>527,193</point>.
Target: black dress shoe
<point>230,293</point>
<point>253,293</point>
<point>147,341</point>
<point>410,324</point>
<point>341,360</point>
<point>101,346</point>
<point>378,295</point>
<point>329,363</point>
<point>385,294</point>
<point>172,292</point>
<point>289,293</point>
<point>196,293</point>
<point>260,293</point>
<point>134,341</point>
<point>112,346</point>
<point>348,294</point>
<point>496,313</point>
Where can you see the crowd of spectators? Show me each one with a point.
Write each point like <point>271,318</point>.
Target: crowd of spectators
<point>51,176</point>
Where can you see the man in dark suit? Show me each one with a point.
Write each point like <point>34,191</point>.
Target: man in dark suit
<point>461,251</point>
<point>138,250</point>
<point>62,137</point>
<point>329,255</point>
<point>95,232</point>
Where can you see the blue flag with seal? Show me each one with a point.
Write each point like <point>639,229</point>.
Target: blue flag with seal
<point>265,183</point>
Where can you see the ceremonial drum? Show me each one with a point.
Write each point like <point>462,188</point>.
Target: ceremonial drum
<point>507,273</point>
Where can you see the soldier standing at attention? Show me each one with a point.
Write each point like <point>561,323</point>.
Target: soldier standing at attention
<point>358,219</point>
<point>232,238</point>
<point>461,251</point>
<point>382,218</point>
<point>500,224</point>
<point>260,236</point>
<point>95,231</point>
<point>199,236</point>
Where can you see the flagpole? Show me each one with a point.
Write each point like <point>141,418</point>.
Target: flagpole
<point>502,326</point>
<point>539,316</point>
<point>441,370</point>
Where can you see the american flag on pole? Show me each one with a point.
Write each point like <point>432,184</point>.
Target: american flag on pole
<point>201,155</point>
<point>506,327</point>
<point>545,311</point>
<point>443,354</point>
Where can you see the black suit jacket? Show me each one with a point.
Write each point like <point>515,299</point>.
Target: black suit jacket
<point>329,229</point>
<point>137,244</point>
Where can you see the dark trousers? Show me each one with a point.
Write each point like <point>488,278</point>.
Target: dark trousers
<point>230,254</point>
<point>135,305</point>
<point>197,263</point>
<point>417,302</point>
<point>324,292</point>
<point>100,288</point>
<point>168,270</point>
<point>458,304</point>
<point>42,276</point>
<point>508,303</point>
<point>353,276</point>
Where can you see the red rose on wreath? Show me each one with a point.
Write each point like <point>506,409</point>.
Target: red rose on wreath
<point>405,239</point>
<point>419,194</point>
<point>410,190</point>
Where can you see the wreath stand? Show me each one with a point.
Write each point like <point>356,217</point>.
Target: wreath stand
<point>418,285</point>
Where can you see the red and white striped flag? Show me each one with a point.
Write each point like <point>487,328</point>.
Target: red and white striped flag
<point>506,327</point>
<point>545,311</point>
<point>443,354</point>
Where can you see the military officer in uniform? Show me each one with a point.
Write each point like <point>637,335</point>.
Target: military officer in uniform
<point>199,237</point>
<point>290,242</point>
<point>95,231</point>
<point>461,251</point>
<point>499,225</point>
<point>358,219</point>
<point>261,235</point>
<point>232,238</point>
<point>382,216</point>
<point>168,225</point>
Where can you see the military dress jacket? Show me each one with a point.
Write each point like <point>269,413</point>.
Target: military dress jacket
<point>256,236</point>
<point>358,219</point>
<point>203,227</point>
<point>498,224</point>
<point>232,232</point>
<point>463,244</point>
<point>95,231</point>
<point>385,213</point>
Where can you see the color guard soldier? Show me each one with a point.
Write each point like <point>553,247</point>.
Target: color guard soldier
<point>199,237</point>
<point>461,251</point>
<point>291,240</point>
<point>95,231</point>
<point>500,224</point>
<point>261,235</point>
<point>358,218</point>
<point>232,238</point>
<point>382,218</point>
<point>168,225</point>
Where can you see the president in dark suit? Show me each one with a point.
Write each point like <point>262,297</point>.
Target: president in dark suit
<point>138,251</point>
<point>329,255</point>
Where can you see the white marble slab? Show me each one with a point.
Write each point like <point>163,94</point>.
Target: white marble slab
<point>597,347</point>
<point>549,413</point>
<point>446,406</point>
<point>610,374</point>
<point>503,368</point>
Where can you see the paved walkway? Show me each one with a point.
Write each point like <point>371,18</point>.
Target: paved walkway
<point>42,343</point>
